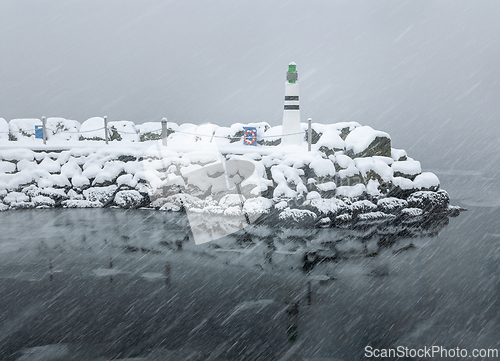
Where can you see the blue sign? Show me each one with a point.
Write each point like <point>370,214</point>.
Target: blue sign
<point>250,136</point>
<point>39,131</point>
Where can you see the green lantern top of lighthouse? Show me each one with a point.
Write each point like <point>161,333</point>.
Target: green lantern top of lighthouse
<point>291,75</point>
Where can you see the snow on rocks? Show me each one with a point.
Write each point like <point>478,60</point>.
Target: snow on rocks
<point>43,201</point>
<point>149,131</point>
<point>7,167</point>
<point>129,199</point>
<point>108,173</point>
<point>16,197</point>
<point>364,141</point>
<point>398,154</point>
<point>375,217</point>
<point>15,155</point>
<point>77,203</point>
<point>351,175</point>
<point>50,165</point>
<point>61,129</point>
<point>80,181</point>
<point>426,181</point>
<point>297,217</point>
<point>407,169</point>
<point>429,201</point>
<point>93,129</point>
<point>23,129</point>
<point>391,204</point>
<point>100,194</point>
<point>56,194</point>
<point>123,130</point>
<point>412,212</point>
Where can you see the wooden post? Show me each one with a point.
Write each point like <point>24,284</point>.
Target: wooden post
<point>44,130</point>
<point>106,129</point>
<point>309,134</point>
<point>164,131</point>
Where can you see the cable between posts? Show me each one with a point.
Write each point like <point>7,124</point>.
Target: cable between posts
<point>58,131</point>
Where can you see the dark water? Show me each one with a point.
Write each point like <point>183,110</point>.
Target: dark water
<point>107,284</point>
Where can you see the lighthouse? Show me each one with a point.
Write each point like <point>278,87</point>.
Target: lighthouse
<point>291,113</point>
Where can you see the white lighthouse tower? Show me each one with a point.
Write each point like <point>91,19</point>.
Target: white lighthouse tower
<point>291,112</point>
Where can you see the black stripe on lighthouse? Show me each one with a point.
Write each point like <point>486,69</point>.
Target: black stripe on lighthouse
<point>291,107</point>
<point>291,97</point>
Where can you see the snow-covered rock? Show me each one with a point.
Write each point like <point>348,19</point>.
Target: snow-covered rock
<point>123,130</point>
<point>412,212</point>
<point>54,193</point>
<point>398,154</point>
<point>100,194</point>
<point>43,201</point>
<point>429,201</point>
<point>297,217</point>
<point>426,181</point>
<point>152,130</point>
<point>350,176</point>
<point>15,197</point>
<point>7,167</point>
<point>129,199</point>
<point>407,169</point>
<point>60,129</point>
<point>50,165</point>
<point>23,129</point>
<point>17,154</point>
<point>391,204</point>
<point>364,141</point>
<point>77,203</point>
<point>375,217</point>
<point>330,141</point>
<point>93,129</point>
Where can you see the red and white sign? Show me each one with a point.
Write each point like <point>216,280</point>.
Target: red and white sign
<point>250,136</point>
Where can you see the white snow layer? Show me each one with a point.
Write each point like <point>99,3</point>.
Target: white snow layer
<point>361,137</point>
<point>192,161</point>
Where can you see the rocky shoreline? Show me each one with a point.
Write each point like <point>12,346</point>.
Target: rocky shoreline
<point>352,178</point>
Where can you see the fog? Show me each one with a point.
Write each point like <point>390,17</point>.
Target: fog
<point>424,71</point>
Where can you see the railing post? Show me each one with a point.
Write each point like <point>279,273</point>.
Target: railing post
<point>44,131</point>
<point>309,134</point>
<point>106,129</point>
<point>164,131</point>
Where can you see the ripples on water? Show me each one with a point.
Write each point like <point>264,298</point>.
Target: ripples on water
<point>96,284</point>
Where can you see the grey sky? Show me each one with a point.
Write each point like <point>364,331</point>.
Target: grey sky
<point>425,71</point>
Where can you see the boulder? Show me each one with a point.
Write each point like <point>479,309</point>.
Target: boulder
<point>61,129</point>
<point>123,130</point>
<point>93,129</point>
<point>429,201</point>
<point>23,129</point>
<point>366,142</point>
<point>129,199</point>
<point>406,169</point>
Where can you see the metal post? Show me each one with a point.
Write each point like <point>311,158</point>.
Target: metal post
<point>106,129</point>
<point>309,134</point>
<point>44,130</point>
<point>164,131</point>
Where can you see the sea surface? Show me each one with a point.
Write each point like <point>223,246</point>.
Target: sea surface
<point>106,284</point>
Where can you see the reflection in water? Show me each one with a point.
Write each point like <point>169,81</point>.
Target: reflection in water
<point>292,330</point>
<point>253,295</point>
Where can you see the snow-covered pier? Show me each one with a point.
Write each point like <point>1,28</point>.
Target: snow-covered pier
<point>351,175</point>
